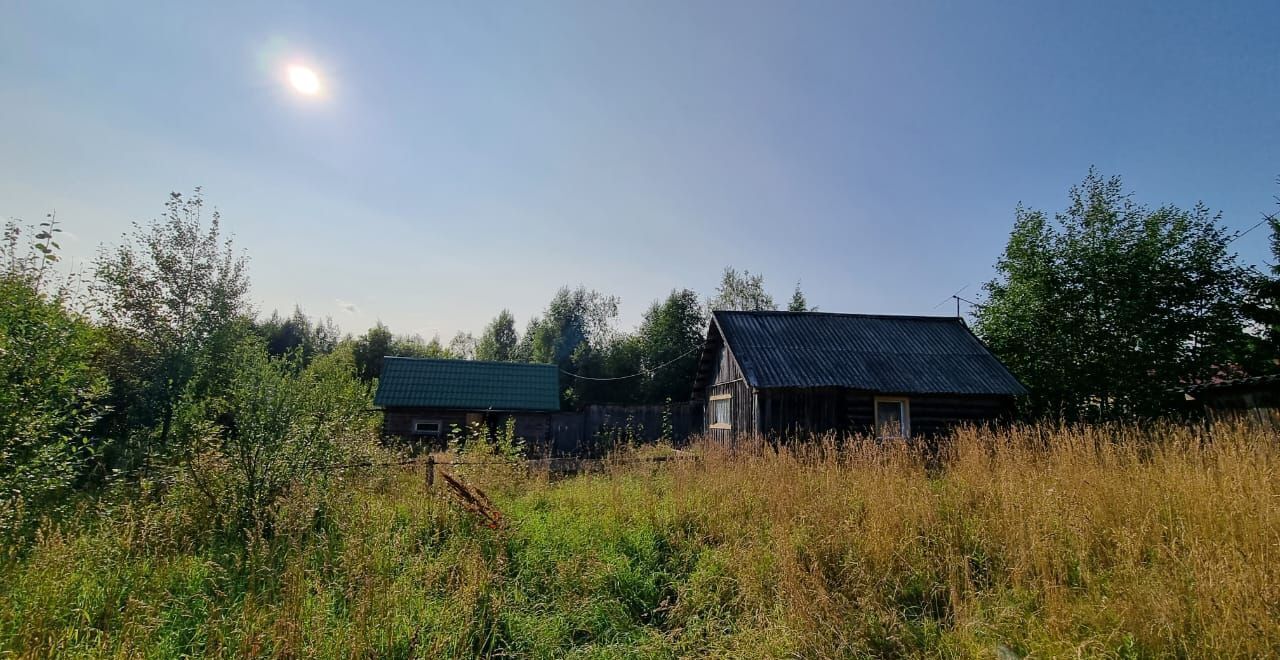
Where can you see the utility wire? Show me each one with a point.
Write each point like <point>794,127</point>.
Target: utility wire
<point>1264,219</point>
<point>950,297</point>
<point>642,373</point>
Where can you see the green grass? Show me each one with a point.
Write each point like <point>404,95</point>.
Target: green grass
<point>1110,544</point>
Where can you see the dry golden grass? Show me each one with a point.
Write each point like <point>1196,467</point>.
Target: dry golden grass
<point>1093,542</point>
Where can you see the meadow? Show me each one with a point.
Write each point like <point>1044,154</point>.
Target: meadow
<point>1028,542</point>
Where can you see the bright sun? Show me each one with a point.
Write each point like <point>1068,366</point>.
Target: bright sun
<point>304,80</point>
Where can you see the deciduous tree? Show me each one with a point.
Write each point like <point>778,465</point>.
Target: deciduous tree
<point>1103,309</point>
<point>741,292</point>
<point>174,296</point>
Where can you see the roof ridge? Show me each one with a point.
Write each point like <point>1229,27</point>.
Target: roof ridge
<point>505,363</point>
<point>783,312</point>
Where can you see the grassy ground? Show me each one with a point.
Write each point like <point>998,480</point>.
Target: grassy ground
<point>1106,542</point>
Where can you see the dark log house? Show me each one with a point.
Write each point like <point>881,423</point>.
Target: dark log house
<point>782,373</point>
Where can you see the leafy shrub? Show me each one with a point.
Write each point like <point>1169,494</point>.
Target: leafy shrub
<point>278,425</point>
<point>52,388</point>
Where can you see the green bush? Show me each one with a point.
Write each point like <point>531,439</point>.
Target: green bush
<point>52,388</point>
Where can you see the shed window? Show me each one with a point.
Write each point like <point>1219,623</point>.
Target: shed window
<point>426,427</point>
<point>893,417</point>
<point>722,411</point>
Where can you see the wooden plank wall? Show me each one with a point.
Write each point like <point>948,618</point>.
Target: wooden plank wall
<point>936,415</point>
<point>597,428</point>
<point>726,378</point>
<point>792,412</point>
<point>534,428</point>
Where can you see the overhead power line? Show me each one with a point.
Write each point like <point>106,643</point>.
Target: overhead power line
<point>641,373</point>
<point>1265,218</point>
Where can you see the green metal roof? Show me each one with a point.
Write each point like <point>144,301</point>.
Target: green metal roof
<point>467,385</point>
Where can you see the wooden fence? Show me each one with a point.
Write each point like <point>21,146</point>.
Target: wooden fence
<point>595,429</point>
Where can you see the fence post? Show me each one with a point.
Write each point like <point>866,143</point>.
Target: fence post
<point>431,471</point>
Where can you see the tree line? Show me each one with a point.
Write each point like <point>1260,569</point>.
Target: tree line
<point>152,366</point>
<point>577,332</point>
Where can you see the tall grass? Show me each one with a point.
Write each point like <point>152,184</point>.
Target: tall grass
<point>1106,541</point>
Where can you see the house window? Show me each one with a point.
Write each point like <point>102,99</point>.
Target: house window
<point>722,411</point>
<point>426,427</point>
<point>893,417</point>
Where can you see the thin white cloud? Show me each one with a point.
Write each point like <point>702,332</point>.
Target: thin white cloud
<point>348,307</point>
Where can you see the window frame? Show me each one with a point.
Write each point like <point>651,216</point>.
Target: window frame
<point>430,434</point>
<point>904,405</point>
<point>726,425</point>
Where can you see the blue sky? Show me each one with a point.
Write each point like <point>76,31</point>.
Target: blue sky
<point>470,156</point>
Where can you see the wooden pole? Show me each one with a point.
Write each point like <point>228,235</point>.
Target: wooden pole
<point>431,471</point>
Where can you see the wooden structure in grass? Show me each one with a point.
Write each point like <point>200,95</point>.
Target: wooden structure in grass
<point>789,373</point>
<point>423,400</point>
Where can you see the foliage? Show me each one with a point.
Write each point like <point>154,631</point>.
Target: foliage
<point>573,318</point>
<point>1262,306</point>
<point>370,348</point>
<point>673,329</point>
<point>298,333</point>
<point>873,550</point>
<point>1105,308</point>
<point>499,341</point>
<point>798,302</point>
<point>53,393</point>
<point>277,424</point>
<point>574,332</point>
<point>378,342</point>
<point>462,346</point>
<point>741,292</point>
<point>173,297</point>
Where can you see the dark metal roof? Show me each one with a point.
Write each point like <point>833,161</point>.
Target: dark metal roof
<point>891,354</point>
<point>467,385</point>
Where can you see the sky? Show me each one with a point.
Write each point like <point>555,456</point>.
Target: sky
<point>466,157</point>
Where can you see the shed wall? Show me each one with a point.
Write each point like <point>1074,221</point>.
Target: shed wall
<point>534,428</point>
<point>726,379</point>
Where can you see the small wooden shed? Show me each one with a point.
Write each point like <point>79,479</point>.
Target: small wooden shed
<point>423,399</point>
<point>790,373</point>
<point>1254,397</point>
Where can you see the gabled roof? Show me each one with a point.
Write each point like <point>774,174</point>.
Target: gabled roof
<point>891,354</point>
<point>467,385</point>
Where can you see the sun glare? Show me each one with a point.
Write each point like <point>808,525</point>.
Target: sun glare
<point>304,80</point>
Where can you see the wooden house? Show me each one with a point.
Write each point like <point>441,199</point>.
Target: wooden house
<point>783,373</point>
<point>424,399</point>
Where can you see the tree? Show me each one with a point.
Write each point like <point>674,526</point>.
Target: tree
<point>574,331</point>
<point>574,317</point>
<point>499,342</point>
<point>369,350</point>
<point>53,387</point>
<point>463,346</point>
<point>274,427</point>
<point>1107,307</point>
<point>673,329</point>
<point>416,346</point>
<point>1263,305</point>
<point>798,302</point>
<point>173,295</point>
<point>741,292</point>
<point>298,332</point>
<point>378,342</point>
